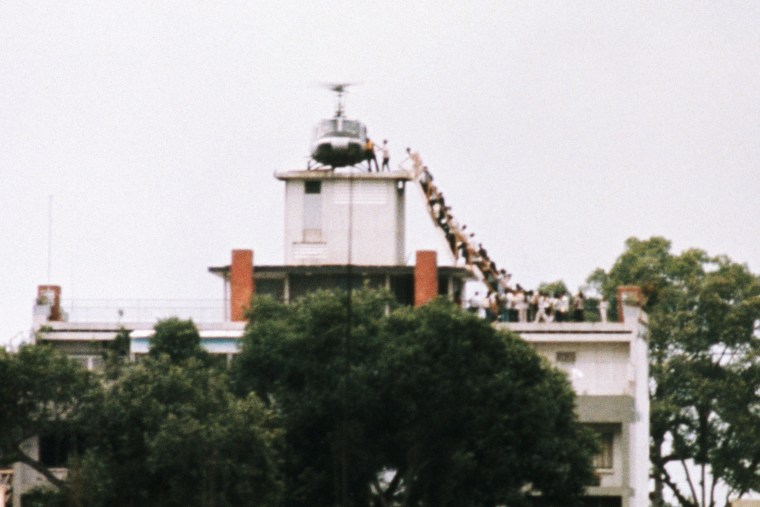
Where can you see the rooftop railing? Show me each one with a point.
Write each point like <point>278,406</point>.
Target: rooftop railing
<point>144,310</point>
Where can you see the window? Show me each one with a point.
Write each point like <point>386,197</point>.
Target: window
<point>326,127</point>
<point>352,127</point>
<point>603,459</point>
<point>56,449</point>
<point>312,212</point>
<point>565,357</point>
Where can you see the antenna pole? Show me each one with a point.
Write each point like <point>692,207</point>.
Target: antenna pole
<point>50,237</point>
<point>339,110</point>
<point>346,500</point>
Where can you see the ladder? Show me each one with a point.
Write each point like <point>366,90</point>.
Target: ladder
<point>458,238</point>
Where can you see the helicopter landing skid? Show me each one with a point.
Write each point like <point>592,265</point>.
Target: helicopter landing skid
<point>318,167</point>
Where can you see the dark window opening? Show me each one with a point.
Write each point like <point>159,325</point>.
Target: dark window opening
<point>604,457</point>
<point>56,450</point>
<point>273,288</point>
<point>402,288</point>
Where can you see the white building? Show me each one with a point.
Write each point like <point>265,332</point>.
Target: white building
<point>607,364</point>
<point>346,228</point>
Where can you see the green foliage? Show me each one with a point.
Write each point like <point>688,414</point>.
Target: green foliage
<point>178,339</point>
<point>703,363</point>
<point>41,390</point>
<point>464,401</point>
<point>553,288</point>
<point>426,406</point>
<point>43,497</point>
<point>429,406</point>
<point>116,353</point>
<point>294,356</point>
<point>171,434</point>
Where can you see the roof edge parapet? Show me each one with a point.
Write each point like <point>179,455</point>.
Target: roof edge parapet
<point>320,174</point>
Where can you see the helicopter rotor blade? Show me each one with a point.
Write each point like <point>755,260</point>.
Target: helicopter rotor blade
<point>338,87</point>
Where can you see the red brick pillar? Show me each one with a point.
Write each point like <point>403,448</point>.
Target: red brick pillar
<point>425,277</point>
<point>44,292</point>
<point>630,294</point>
<point>241,283</point>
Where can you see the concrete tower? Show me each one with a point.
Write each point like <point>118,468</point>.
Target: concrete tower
<point>323,209</point>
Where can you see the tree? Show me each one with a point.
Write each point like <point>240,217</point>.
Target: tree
<point>167,431</point>
<point>178,339</point>
<point>705,417</point>
<point>553,288</point>
<point>41,391</point>
<point>429,406</point>
<point>476,416</point>
<point>297,357</point>
<point>116,354</point>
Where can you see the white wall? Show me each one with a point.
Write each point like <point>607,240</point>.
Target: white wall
<point>599,368</point>
<point>377,218</point>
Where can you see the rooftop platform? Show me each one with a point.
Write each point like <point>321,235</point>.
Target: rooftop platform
<point>579,332</point>
<point>343,174</point>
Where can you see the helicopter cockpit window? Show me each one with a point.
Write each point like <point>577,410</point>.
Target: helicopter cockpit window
<point>326,127</point>
<point>352,128</point>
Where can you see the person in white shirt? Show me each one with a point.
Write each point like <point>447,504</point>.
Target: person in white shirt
<point>563,307</point>
<point>417,165</point>
<point>386,155</point>
<point>509,306</point>
<point>603,306</point>
<point>551,306</point>
<point>521,305</point>
<point>543,304</point>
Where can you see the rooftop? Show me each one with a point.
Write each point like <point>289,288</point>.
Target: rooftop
<point>329,174</point>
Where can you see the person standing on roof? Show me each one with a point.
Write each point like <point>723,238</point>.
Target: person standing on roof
<point>369,155</point>
<point>416,162</point>
<point>563,307</point>
<point>386,156</point>
<point>578,307</point>
<point>542,304</point>
<point>603,306</point>
<point>521,304</point>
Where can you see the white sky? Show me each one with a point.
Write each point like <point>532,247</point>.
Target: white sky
<point>556,130</point>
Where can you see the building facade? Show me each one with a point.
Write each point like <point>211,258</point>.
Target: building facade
<point>607,364</point>
<point>348,229</point>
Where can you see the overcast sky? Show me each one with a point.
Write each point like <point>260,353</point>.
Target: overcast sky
<point>556,130</point>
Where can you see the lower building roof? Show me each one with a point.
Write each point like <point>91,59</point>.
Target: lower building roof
<point>281,271</point>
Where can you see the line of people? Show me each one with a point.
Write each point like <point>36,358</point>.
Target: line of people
<point>501,301</point>
<point>519,305</point>
<point>461,241</point>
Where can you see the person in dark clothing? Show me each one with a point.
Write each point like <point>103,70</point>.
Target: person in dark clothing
<point>369,155</point>
<point>578,305</point>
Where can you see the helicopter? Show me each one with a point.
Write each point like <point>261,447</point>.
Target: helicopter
<point>338,141</point>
